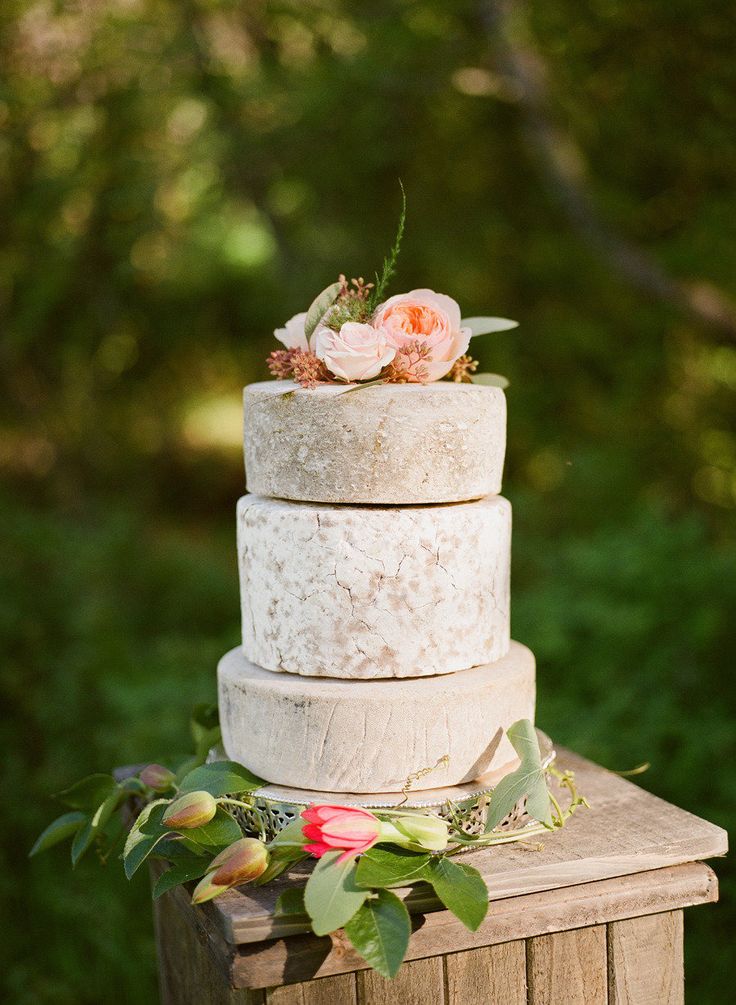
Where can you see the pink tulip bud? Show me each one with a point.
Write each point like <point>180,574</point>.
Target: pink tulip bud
<point>347,828</point>
<point>157,777</point>
<point>241,862</point>
<point>194,809</point>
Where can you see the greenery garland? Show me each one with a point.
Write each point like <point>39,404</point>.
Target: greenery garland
<point>186,818</point>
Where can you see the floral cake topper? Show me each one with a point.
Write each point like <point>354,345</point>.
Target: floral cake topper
<point>352,335</point>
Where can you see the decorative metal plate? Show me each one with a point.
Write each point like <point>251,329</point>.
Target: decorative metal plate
<point>466,805</point>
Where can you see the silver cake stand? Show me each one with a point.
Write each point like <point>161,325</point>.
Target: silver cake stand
<point>465,806</point>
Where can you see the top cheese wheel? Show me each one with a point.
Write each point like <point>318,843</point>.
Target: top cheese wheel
<point>391,444</point>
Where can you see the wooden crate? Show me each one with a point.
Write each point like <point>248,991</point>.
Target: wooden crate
<point>592,914</point>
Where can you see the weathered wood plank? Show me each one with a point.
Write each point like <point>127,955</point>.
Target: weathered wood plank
<point>568,967</point>
<point>301,957</point>
<point>627,831</point>
<point>494,974</point>
<point>186,970</point>
<point>417,983</point>
<point>328,991</point>
<point>645,961</point>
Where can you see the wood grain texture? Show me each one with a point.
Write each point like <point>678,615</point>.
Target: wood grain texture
<point>645,961</point>
<point>187,972</point>
<point>329,991</point>
<point>417,983</point>
<point>626,831</point>
<point>302,957</point>
<point>495,975</point>
<point>569,967</point>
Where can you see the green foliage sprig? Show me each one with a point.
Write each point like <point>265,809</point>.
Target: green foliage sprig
<point>389,263</point>
<point>188,818</point>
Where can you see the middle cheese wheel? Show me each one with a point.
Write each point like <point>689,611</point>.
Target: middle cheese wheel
<point>370,592</point>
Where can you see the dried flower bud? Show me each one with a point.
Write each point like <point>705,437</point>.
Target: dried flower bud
<point>194,809</point>
<point>242,862</point>
<point>281,363</point>
<point>157,777</point>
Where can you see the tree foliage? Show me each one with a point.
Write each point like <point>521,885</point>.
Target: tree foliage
<point>177,177</point>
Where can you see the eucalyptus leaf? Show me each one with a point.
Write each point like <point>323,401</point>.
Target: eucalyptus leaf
<point>220,778</point>
<point>382,867</point>
<point>486,326</point>
<point>331,895</point>
<point>380,932</point>
<point>59,829</point>
<point>528,780</point>
<point>291,901</point>
<point>319,307</point>
<point>145,834</point>
<point>461,889</point>
<point>181,872</point>
<point>88,793</point>
<point>490,380</point>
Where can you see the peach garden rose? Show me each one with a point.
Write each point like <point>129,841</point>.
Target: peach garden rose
<point>429,318</point>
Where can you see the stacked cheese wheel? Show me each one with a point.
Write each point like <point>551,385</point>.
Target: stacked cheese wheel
<point>374,555</point>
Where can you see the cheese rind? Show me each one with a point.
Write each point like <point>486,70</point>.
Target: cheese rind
<point>358,736</point>
<point>371,592</point>
<point>394,444</point>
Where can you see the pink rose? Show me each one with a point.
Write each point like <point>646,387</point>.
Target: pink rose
<point>356,352</point>
<point>292,335</point>
<point>429,318</point>
<point>340,828</point>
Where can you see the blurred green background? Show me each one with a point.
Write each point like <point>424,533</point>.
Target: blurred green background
<point>178,177</point>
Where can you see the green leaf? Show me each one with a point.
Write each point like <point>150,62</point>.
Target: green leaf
<point>183,871</point>
<point>59,829</point>
<point>319,307</point>
<point>528,780</point>
<point>220,778</point>
<point>490,380</point>
<point>221,831</point>
<point>290,835</point>
<point>279,863</point>
<point>331,895</point>
<point>485,326</point>
<point>205,729</point>
<point>94,824</point>
<point>284,850</point>
<point>380,932</point>
<point>461,889</point>
<point>382,867</point>
<point>144,835</point>
<point>88,793</point>
<point>291,901</point>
